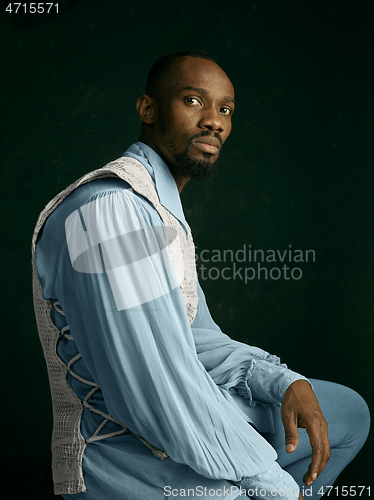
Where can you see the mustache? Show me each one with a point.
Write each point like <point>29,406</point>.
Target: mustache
<point>206,133</point>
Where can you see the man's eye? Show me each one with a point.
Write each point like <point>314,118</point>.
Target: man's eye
<point>226,111</point>
<point>192,100</point>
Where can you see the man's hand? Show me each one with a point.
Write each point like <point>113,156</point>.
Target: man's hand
<point>300,408</point>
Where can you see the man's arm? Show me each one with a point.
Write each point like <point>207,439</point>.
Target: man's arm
<point>258,375</point>
<point>255,374</point>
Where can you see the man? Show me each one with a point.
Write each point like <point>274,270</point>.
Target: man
<point>151,399</point>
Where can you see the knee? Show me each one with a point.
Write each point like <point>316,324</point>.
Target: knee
<point>355,415</point>
<point>360,414</point>
<point>345,408</point>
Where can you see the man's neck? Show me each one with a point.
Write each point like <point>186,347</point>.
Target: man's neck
<point>179,178</point>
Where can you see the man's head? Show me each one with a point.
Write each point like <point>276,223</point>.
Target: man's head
<point>186,113</point>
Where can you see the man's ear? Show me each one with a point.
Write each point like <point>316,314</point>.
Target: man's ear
<point>145,109</point>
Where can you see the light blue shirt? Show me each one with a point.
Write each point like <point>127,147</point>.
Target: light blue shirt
<point>187,389</point>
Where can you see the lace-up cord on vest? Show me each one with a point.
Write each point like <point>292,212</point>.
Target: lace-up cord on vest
<point>107,417</point>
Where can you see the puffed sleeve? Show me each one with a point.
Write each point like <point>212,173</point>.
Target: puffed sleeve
<point>254,373</point>
<point>120,295</point>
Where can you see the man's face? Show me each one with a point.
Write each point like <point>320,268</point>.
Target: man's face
<point>193,117</point>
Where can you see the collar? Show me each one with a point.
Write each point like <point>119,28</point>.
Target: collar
<point>165,184</point>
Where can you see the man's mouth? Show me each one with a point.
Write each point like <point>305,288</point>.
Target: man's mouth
<point>208,144</point>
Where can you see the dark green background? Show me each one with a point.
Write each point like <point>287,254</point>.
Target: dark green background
<point>297,170</point>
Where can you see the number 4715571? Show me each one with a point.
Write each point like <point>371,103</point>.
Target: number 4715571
<point>344,491</point>
<point>31,8</point>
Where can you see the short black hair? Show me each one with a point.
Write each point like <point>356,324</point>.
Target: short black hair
<point>160,67</point>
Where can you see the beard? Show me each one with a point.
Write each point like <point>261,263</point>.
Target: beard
<point>202,170</point>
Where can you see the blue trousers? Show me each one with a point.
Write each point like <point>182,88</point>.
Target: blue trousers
<point>348,417</point>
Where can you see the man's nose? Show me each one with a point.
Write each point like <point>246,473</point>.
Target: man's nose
<point>212,120</point>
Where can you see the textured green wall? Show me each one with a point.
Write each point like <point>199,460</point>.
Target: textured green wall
<point>297,170</point>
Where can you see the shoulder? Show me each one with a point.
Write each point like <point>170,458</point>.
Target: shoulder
<point>94,212</point>
<point>98,210</point>
<point>102,198</point>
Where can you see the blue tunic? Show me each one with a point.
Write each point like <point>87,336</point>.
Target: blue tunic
<point>187,389</point>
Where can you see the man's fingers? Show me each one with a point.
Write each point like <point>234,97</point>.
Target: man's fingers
<point>319,440</point>
<point>289,419</point>
<point>300,408</point>
<point>291,434</point>
<point>292,441</point>
<point>310,475</point>
<point>320,457</point>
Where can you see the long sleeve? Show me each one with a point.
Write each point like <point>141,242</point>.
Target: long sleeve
<point>254,373</point>
<point>127,317</point>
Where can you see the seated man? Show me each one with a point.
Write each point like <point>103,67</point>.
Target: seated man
<point>150,398</point>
